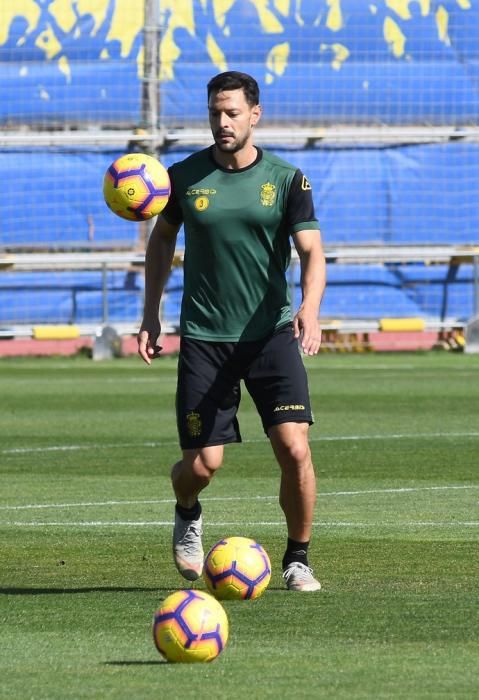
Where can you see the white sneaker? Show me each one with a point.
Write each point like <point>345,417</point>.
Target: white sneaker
<point>187,547</point>
<point>299,577</point>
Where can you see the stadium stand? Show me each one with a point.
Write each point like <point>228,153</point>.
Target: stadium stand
<point>337,62</point>
<point>406,71</point>
<point>307,61</point>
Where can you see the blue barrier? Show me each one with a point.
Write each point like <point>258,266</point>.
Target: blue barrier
<point>405,194</point>
<point>55,199</point>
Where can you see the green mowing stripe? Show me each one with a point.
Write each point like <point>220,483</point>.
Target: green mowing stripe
<point>249,498</point>
<point>321,438</point>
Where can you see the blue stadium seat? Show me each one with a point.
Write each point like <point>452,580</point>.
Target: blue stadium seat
<point>172,297</point>
<point>363,291</point>
<point>441,291</point>
<point>122,307</point>
<point>69,297</point>
<point>18,306</point>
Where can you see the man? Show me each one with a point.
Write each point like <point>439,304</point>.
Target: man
<point>239,206</point>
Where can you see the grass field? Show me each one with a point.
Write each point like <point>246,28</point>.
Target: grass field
<point>86,515</point>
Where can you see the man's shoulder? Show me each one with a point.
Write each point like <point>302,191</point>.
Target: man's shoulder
<point>192,160</point>
<point>192,169</point>
<point>277,162</point>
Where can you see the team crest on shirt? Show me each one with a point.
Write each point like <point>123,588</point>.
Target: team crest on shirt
<point>193,424</point>
<point>267,194</point>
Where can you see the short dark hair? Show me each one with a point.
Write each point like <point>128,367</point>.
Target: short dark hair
<point>234,80</point>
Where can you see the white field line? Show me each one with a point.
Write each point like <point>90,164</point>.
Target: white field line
<point>322,438</point>
<point>260,523</point>
<point>160,501</point>
<point>92,446</point>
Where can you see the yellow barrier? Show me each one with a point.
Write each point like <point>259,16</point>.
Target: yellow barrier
<point>401,324</point>
<point>55,332</point>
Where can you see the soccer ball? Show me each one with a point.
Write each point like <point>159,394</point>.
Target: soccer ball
<point>136,187</point>
<point>190,626</point>
<point>237,568</point>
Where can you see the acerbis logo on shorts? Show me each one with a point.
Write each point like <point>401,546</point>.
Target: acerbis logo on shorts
<point>290,407</point>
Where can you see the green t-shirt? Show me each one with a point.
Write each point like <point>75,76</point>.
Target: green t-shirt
<point>237,243</point>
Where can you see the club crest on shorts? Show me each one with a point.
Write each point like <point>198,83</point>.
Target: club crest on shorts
<point>193,424</point>
<point>267,194</point>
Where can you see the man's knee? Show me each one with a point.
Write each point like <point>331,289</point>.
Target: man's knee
<point>290,443</point>
<point>204,462</point>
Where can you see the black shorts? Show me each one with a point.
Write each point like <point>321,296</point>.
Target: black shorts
<point>209,392</point>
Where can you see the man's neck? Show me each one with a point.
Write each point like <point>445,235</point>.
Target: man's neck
<point>236,161</point>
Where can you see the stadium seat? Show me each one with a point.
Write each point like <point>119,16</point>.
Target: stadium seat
<point>69,297</point>
<point>439,290</point>
<point>363,292</point>
<point>172,298</point>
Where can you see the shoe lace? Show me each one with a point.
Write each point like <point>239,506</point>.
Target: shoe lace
<point>298,571</point>
<point>190,537</point>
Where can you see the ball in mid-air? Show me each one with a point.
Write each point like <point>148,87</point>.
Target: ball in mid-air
<point>190,626</point>
<point>237,568</point>
<point>136,187</point>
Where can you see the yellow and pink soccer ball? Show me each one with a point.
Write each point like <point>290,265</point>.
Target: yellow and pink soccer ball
<point>136,187</point>
<point>237,568</point>
<point>190,626</point>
